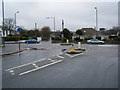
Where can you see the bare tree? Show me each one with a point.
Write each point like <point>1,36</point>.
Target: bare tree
<point>9,25</point>
<point>79,32</point>
<point>45,33</point>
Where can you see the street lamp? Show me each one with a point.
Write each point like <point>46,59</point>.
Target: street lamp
<point>96,18</point>
<point>53,20</point>
<point>3,42</point>
<point>15,20</point>
<point>3,17</point>
<point>62,25</point>
<point>15,24</point>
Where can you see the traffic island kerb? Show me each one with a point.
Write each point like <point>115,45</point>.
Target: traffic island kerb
<point>14,52</point>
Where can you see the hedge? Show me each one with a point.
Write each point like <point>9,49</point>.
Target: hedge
<point>15,38</point>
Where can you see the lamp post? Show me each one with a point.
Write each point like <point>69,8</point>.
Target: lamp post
<point>62,25</point>
<point>35,26</point>
<point>35,31</point>
<point>53,20</point>
<point>96,20</point>
<point>15,22</point>
<point>3,17</point>
<point>3,29</point>
<point>62,30</point>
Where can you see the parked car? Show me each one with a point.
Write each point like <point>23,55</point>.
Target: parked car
<point>95,41</point>
<point>32,41</point>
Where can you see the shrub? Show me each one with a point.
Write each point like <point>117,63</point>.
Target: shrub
<point>56,38</point>
<point>88,38</point>
<point>15,38</point>
<point>11,38</point>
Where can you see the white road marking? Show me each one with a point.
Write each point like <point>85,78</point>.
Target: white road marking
<point>60,56</point>
<point>25,64</point>
<point>60,53</point>
<point>51,60</point>
<point>107,45</point>
<point>40,67</point>
<point>77,55</point>
<point>73,55</point>
<point>11,71</point>
<point>34,65</point>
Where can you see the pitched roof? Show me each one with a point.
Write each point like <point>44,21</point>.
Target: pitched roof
<point>89,31</point>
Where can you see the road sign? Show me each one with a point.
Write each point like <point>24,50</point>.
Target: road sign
<point>19,30</point>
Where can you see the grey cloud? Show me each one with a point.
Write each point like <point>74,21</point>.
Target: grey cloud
<point>75,14</point>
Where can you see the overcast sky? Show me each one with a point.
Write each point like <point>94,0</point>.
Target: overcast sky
<point>75,14</point>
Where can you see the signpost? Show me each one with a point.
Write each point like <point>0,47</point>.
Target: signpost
<point>72,47</point>
<point>19,30</point>
<point>79,45</point>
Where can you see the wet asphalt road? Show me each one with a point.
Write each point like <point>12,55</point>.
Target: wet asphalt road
<point>97,67</point>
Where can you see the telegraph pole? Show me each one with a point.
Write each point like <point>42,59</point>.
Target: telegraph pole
<point>62,25</point>
<point>35,30</point>
<point>96,18</point>
<point>35,26</point>
<point>62,30</point>
<point>54,23</point>
<point>3,26</point>
<point>96,22</point>
<point>15,22</point>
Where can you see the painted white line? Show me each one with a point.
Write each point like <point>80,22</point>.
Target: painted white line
<point>60,53</point>
<point>76,55</point>
<point>73,55</point>
<point>24,51</point>
<point>68,55</point>
<point>60,56</point>
<point>51,60</point>
<point>25,64</point>
<point>35,65</point>
<point>28,48</point>
<point>40,67</point>
<point>107,45</point>
<point>11,71</point>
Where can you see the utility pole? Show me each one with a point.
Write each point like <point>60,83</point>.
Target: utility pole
<point>16,25</point>
<point>96,20</point>
<point>35,30</point>
<point>62,30</point>
<point>3,26</point>
<point>54,23</point>
<point>15,22</point>
<point>62,25</point>
<point>35,26</point>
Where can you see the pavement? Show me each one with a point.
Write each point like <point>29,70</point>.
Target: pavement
<point>97,67</point>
